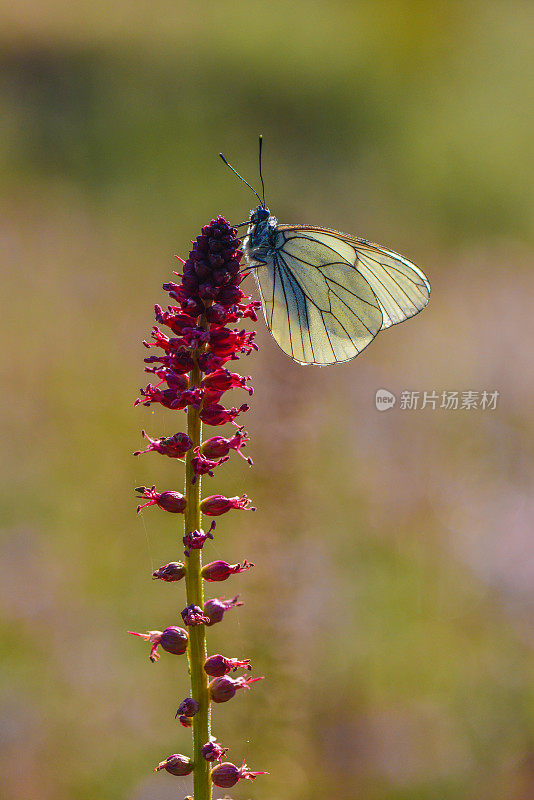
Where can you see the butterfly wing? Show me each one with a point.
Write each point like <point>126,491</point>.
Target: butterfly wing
<point>320,310</point>
<point>325,295</point>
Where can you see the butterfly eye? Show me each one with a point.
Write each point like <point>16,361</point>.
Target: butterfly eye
<point>259,215</point>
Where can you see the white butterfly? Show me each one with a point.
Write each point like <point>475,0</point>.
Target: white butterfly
<point>325,295</point>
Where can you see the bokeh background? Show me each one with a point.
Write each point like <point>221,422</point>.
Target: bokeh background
<point>391,603</point>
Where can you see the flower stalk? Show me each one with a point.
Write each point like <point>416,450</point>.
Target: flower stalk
<point>197,651</point>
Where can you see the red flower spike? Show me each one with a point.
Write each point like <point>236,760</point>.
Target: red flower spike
<point>168,501</point>
<point>216,608</point>
<point>175,446</point>
<point>172,640</point>
<point>223,689</point>
<point>217,504</point>
<point>176,764</point>
<point>226,775</point>
<point>207,304</point>
<point>216,666</point>
<point>221,570</point>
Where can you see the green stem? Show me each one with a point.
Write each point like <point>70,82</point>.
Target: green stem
<point>195,595</point>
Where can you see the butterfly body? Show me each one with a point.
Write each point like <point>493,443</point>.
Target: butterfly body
<point>261,235</point>
<point>325,294</point>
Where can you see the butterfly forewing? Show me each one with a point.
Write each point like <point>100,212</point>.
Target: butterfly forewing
<point>319,308</point>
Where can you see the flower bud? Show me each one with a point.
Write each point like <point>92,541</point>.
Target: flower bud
<point>223,689</point>
<point>226,775</point>
<point>221,570</point>
<point>174,380</point>
<point>217,504</point>
<point>208,362</point>
<point>216,414</point>
<point>218,446</point>
<point>194,540</point>
<point>193,306</point>
<point>187,722</point>
<point>182,361</point>
<point>174,571</point>
<point>176,764</point>
<point>172,446</point>
<point>176,322</point>
<point>188,707</point>
<point>215,608</point>
<point>213,751</point>
<point>216,314</point>
<point>205,466</point>
<point>192,615</point>
<point>216,666</point>
<point>168,501</point>
<point>173,640</point>
<point>222,379</point>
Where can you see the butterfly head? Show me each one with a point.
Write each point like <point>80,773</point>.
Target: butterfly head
<point>259,215</point>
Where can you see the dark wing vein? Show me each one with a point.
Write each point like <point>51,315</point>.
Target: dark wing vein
<point>294,283</point>
<point>352,311</point>
<point>392,278</point>
<point>416,283</point>
<point>288,269</point>
<point>287,306</point>
<point>274,286</point>
<point>318,241</point>
<point>386,289</point>
<point>322,313</point>
<point>314,266</point>
<point>357,296</point>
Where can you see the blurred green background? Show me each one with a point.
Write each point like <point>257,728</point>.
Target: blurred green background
<point>391,604</point>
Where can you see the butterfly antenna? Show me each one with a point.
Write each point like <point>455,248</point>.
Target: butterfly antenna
<point>261,176</point>
<point>239,176</point>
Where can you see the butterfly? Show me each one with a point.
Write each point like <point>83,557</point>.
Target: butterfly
<point>325,295</point>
